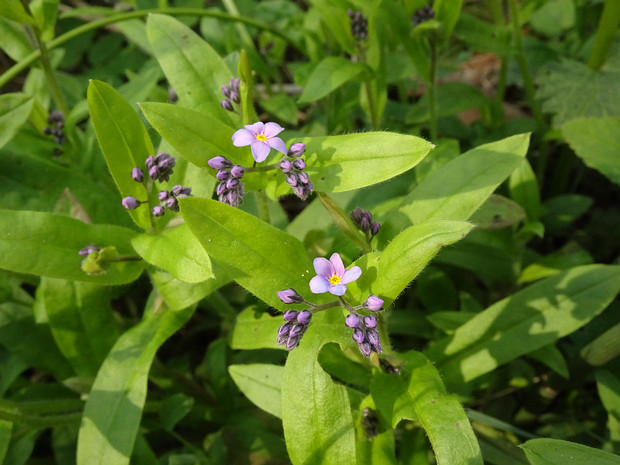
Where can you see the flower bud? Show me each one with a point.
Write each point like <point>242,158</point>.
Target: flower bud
<point>149,162</point>
<point>296,150</point>
<point>137,174</point>
<point>237,171</point>
<point>234,84</point>
<point>131,203</point>
<point>226,91</point>
<point>226,105</point>
<point>163,195</point>
<point>290,296</point>
<point>221,188</point>
<point>290,315</point>
<point>304,317</point>
<point>284,329</point>
<point>352,320</point>
<point>172,204</point>
<point>370,321</point>
<point>303,177</point>
<point>158,210</point>
<point>232,183</point>
<point>220,163</point>
<point>373,303</point>
<point>373,336</point>
<point>297,330</point>
<point>176,190</point>
<point>365,349</point>
<point>222,175</point>
<point>356,215</point>
<point>291,180</point>
<point>375,228</point>
<point>286,166</point>
<point>300,164</point>
<point>185,192</point>
<point>358,335</point>
<point>292,342</point>
<point>234,96</point>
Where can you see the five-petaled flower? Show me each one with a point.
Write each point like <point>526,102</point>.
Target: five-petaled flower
<point>331,275</point>
<point>261,137</point>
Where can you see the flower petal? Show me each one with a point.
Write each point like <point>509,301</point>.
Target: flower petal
<point>272,129</point>
<point>351,275</point>
<point>337,263</point>
<point>319,284</point>
<point>260,150</point>
<point>256,128</point>
<point>278,144</point>
<point>243,137</point>
<point>323,267</point>
<point>338,289</point>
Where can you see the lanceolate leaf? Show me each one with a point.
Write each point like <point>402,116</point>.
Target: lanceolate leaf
<point>14,112</point>
<point>557,452</point>
<point>114,407</point>
<point>329,74</point>
<point>47,245</point>
<point>124,142</point>
<point>526,321</point>
<point>260,257</point>
<point>261,383</point>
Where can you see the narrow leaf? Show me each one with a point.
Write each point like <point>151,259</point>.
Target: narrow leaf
<point>14,112</point>
<point>329,74</point>
<point>557,452</point>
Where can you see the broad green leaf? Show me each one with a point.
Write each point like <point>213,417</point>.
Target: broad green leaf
<point>353,161</point>
<point>608,387</point>
<point>261,383</point>
<point>180,294</point>
<point>196,136</point>
<point>525,191</point>
<point>14,112</point>
<point>554,17</point>
<point>329,74</point>
<point>528,320</point>
<point>595,141</point>
<point>551,356</point>
<point>177,251</point>
<point>47,245</point>
<point>418,393</point>
<point>174,408</point>
<point>316,416</point>
<point>14,40</point>
<point>114,407</point>
<point>447,13</point>
<point>13,10</point>
<point>562,210</point>
<point>255,330</point>
<point>124,142</point>
<point>569,256</point>
<point>604,348</point>
<point>337,22</point>
<point>260,257</point>
<point>194,70</point>
<point>81,321</point>
<point>45,13</point>
<point>558,452</point>
<point>498,212</point>
<point>572,90</point>
<point>458,188</point>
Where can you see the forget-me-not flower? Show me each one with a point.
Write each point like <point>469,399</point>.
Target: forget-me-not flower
<point>331,275</point>
<point>261,137</point>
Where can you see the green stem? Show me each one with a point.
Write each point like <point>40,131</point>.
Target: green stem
<point>605,34</point>
<point>116,18</point>
<point>432,99</point>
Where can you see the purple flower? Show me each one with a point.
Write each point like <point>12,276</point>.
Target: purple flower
<point>261,138</point>
<point>331,275</point>
<point>290,296</point>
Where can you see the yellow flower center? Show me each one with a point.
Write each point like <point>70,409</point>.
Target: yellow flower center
<point>261,137</point>
<point>334,280</point>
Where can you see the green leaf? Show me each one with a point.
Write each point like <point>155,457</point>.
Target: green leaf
<point>81,321</point>
<point>418,393</point>
<point>255,330</point>
<point>317,420</point>
<point>114,407</point>
<point>604,348</point>
<point>180,294</point>
<point>47,245</point>
<point>194,70</point>
<point>572,90</point>
<point>528,320</point>
<point>447,194</point>
<point>329,74</point>
<point>261,383</point>
<point>260,257</point>
<point>557,452</point>
<point>353,161</point>
<point>174,408</point>
<point>14,112</point>
<point>554,17</point>
<point>14,40</point>
<point>608,387</point>
<point>551,356</point>
<point>498,212</point>
<point>196,136</point>
<point>177,251</point>
<point>447,13</point>
<point>595,141</point>
<point>13,10</point>
<point>124,142</point>
<point>525,191</point>
<point>562,210</point>
<point>6,429</point>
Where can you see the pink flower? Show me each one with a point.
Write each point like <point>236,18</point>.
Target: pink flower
<point>331,275</point>
<point>261,138</point>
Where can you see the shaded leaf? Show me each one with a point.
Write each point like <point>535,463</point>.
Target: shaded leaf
<point>329,74</point>
<point>557,452</point>
<point>14,112</point>
<point>261,383</point>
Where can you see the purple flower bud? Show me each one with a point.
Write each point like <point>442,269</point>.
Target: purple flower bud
<point>137,174</point>
<point>377,347</point>
<point>176,190</point>
<point>286,166</point>
<point>282,339</point>
<point>365,349</point>
<point>154,172</point>
<point>220,163</point>
<point>172,95</point>
<point>172,204</point>
<point>149,162</point>
<point>131,203</point>
<point>291,180</point>
<point>352,321</point>
<point>292,342</point>
<point>375,228</point>
<point>309,188</point>
<point>226,105</point>
<point>303,177</point>
<point>304,317</point>
<point>373,336</point>
<point>234,96</point>
<point>296,150</point>
<point>373,303</point>
<point>237,171</point>
<point>88,250</point>
<point>290,315</point>
<point>222,175</point>
<point>358,336</point>
<point>221,188</point>
<point>158,210</point>
<point>226,91</point>
<point>364,224</point>
<point>300,164</point>
<point>233,199</point>
<point>163,195</point>
<point>290,296</point>
<point>299,191</point>
<point>234,84</point>
<point>232,183</point>
<point>185,192</point>
<point>356,215</point>
<point>284,329</point>
<point>297,330</point>
<point>370,321</point>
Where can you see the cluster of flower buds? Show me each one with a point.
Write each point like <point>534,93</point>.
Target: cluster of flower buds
<point>422,15</point>
<point>363,220</point>
<point>359,25</point>
<point>169,199</point>
<point>296,177</point>
<point>232,94</point>
<point>230,189</point>
<point>364,333</point>
<point>296,323</point>
<point>158,167</point>
<point>56,127</point>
